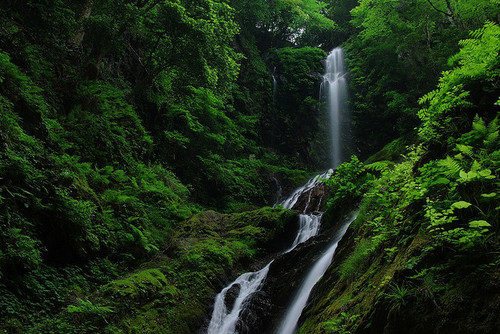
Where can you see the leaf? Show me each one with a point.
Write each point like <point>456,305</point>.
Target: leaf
<point>485,172</point>
<point>441,180</point>
<point>490,195</point>
<point>475,166</point>
<point>465,149</point>
<point>479,223</point>
<point>461,205</point>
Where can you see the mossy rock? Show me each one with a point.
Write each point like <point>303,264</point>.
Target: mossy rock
<point>174,293</point>
<point>141,285</point>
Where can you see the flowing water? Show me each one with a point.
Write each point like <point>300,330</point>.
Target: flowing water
<point>279,190</point>
<point>289,324</point>
<point>223,320</point>
<point>334,86</point>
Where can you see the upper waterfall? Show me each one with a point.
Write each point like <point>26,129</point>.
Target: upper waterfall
<point>334,87</point>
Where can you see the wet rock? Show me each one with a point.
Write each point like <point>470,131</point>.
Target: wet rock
<point>253,317</point>
<point>312,201</point>
<point>231,296</point>
<point>285,276</point>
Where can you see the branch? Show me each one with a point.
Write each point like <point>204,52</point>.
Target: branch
<point>439,10</point>
<point>151,6</point>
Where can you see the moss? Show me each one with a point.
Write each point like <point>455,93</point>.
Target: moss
<point>394,150</point>
<point>141,285</point>
<point>173,293</point>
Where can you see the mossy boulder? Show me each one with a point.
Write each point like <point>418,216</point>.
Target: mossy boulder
<point>174,293</point>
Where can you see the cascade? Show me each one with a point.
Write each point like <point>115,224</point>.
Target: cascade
<point>275,87</point>
<point>223,320</point>
<point>279,190</point>
<point>289,324</point>
<point>334,86</point>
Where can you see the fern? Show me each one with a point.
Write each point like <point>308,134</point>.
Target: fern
<point>466,149</point>
<point>451,166</point>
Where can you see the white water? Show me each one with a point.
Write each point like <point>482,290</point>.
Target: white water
<point>294,197</point>
<point>308,228</point>
<point>335,87</point>
<point>275,87</point>
<point>289,324</point>
<point>279,190</point>
<point>224,321</point>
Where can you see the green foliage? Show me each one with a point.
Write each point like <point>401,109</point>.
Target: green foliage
<point>179,287</point>
<point>297,125</point>
<point>355,263</point>
<point>343,324</point>
<point>477,64</point>
<point>285,21</point>
<point>396,55</point>
<point>86,308</point>
<point>107,108</point>
<point>467,176</point>
<point>348,184</point>
<point>398,296</point>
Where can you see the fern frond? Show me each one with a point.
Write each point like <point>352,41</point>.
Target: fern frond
<point>466,149</point>
<point>451,167</point>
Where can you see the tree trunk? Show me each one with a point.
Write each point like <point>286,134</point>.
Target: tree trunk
<point>77,39</point>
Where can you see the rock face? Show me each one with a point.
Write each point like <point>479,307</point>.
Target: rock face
<point>231,295</point>
<point>266,307</point>
<point>252,318</point>
<point>312,201</point>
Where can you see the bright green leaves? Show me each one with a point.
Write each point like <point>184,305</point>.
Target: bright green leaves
<point>447,228</point>
<point>479,224</point>
<point>460,205</point>
<point>347,183</point>
<point>477,173</point>
<point>202,126</point>
<point>88,309</point>
<point>470,177</point>
<point>477,65</point>
<point>296,21</point>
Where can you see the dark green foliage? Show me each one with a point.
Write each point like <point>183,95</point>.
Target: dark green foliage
<point>174,291</point>
<point>466,89</point>
<point>298,123</point>
<point>396,56</point>
<point>115,116</point>
<point>426,245</point>
<point>71,210</point>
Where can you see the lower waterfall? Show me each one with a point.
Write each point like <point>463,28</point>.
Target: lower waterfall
<point>289,324</point>
<point>223,320</point>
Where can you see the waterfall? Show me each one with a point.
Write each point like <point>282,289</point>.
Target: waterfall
<point>289,324</point>
<point>224,321</point>
<point>279,190</point>
<point>275,86</point>
<point>334,86</point>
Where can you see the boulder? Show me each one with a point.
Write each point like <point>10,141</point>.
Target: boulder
<point>231,296</point>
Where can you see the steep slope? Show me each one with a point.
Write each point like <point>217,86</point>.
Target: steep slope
<point>422,256</point>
